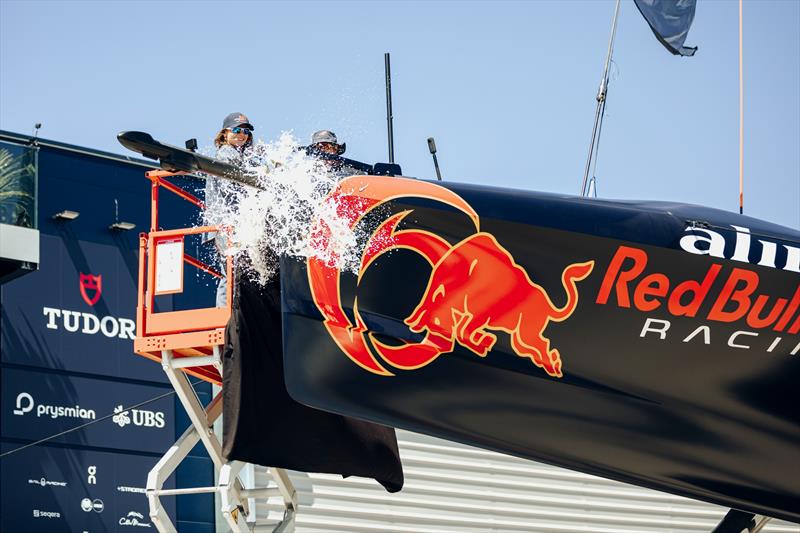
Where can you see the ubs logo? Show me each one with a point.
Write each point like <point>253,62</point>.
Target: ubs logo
<point>138,417</point>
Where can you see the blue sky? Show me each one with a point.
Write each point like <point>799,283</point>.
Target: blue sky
<point>507,89</point>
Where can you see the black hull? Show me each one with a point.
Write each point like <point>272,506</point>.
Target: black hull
<point>673,392</point>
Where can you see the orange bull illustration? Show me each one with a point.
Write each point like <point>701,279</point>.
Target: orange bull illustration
<point>477,286</point>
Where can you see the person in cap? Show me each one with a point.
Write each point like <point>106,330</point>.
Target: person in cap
<point>325,147</point>
<point>236,134</point>
<point>233,142</point>
<point>325,142</point>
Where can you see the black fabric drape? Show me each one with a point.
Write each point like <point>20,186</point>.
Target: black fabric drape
<point>262,424</point>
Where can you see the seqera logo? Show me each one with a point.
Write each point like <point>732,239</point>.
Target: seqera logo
<point>138,417</point>
<point>89,323</point>
<point>134,519</point>
<point>25,404</point>
<point>728,297</point>
<point>456,307</point>
<point>46,514</point>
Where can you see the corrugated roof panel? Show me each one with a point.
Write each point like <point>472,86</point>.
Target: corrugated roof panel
<point>455,488</point>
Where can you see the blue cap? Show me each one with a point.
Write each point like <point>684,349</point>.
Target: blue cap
<point>237,120</point>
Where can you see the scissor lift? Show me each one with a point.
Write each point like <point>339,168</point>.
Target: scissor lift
<point>189,343</point>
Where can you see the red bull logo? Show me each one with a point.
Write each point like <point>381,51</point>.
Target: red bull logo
<point>475,291</point>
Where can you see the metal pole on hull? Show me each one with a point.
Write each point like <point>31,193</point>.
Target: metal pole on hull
<point>388,69</point>
<point>601,102</point>
<point>741,117</point>
<point>432,150</point>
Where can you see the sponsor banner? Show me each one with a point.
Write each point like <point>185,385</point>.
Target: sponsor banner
<point>77,311</point>
<point>648,351</point>
<point>68,490</point>
<point>37,405</point>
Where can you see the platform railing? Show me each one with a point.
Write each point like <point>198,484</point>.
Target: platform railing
<point>190,342</point>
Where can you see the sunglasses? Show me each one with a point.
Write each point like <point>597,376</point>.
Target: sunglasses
<point>237,130</point>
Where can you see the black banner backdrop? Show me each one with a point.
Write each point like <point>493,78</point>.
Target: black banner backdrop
<point>64,490</point>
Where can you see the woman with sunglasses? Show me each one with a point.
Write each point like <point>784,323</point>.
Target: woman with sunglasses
<point>235,137</point>
<point>233,143</point>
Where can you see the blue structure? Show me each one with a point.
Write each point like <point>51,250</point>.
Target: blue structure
<point>66,348</point>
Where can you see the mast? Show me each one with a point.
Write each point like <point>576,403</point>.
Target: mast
<point>601,102</point>
<point>741,117</point>
<point>388,70</point>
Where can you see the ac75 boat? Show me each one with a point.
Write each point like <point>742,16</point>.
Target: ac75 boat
<point>650,342</point>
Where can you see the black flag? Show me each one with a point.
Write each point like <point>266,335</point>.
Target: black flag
<point>670,21</point>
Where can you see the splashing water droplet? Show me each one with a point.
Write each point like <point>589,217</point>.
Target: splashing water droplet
<point>277,219</point>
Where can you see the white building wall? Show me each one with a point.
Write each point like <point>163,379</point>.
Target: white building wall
<point>456,488</point>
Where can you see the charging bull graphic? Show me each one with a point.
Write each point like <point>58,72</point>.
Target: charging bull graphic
<point>477,286</point>
<point>475,289</point>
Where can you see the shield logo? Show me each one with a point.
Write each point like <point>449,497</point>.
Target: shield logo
<point>91,285</point>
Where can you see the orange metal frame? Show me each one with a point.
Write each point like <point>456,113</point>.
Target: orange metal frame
<point>188,333</point>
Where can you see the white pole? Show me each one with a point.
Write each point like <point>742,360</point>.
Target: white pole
<point>741,117</point>
<point>601,101</point>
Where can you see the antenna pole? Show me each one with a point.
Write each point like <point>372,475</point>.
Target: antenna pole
<point>741,117</point>
<point>432,150</point>
<point>388,69</point>
<point>601,101</point>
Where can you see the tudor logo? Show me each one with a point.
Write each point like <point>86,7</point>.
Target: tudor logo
<point>91,288</point>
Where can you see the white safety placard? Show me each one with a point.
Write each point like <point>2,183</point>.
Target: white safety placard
<point>169,266</point>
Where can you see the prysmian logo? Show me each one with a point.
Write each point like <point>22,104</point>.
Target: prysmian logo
<point>137,490</point>
<point>45,514</point>
<point>137,417</point>
<point>43,482</point>
<point>25,404</point>
<point>134,519</point>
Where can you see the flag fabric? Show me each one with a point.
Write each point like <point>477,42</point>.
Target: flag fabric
<point>670,21</point>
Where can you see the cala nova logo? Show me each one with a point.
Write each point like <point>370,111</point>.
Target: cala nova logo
<point>138,417</point>
<point>134,519</point>
<point>91,288</point>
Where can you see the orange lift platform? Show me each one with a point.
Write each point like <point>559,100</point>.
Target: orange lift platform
<point>190,343</point>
